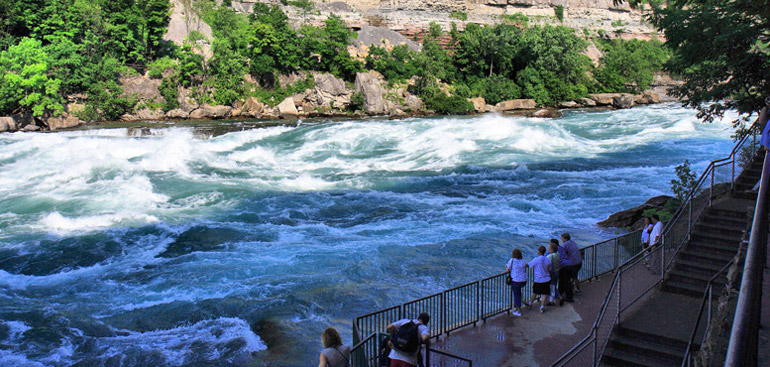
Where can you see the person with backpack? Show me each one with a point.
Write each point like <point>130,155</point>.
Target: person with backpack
<point>406,337</point>
<point>334,354</point>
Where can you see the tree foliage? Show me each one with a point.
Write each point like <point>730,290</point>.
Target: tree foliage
<point>628,65</point>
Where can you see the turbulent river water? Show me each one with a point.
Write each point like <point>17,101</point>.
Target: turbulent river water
<point>220,244</point>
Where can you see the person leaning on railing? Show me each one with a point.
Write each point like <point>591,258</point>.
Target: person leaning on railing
<point>574,256</point>
<point>400,358</point>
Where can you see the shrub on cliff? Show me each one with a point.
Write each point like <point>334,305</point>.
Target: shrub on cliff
<point>628,65</point>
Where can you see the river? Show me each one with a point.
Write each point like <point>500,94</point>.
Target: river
<point>220,244</point>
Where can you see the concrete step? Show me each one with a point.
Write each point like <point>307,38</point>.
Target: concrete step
<point>614,357</point>
<point>706,258</point>
<point>687,289</point>
<point>700,280</point>
<point>708,247</point>
<point>623,330</point>
<point>732,229</point>
<point>723,218</point>
<point>660,352</point>
<point>697,267</point>
<point>745,195</point>
<point>715,238</point>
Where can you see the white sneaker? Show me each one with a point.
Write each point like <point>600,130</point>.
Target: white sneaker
<point>542,309</point>
<point>516,313</point>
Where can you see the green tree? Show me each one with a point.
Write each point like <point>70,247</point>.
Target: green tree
<point>628,65</point>
<point>26,85</point>
<point>720,50</point>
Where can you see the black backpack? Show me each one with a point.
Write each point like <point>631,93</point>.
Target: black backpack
<point>406,338</point>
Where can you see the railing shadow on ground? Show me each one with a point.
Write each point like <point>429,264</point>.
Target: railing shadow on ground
<point>634,279</point>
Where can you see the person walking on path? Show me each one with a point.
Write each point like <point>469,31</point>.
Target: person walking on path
<point>334,354</point>
<point>406,336</point>
<point>541,289</point>
<point>565,273</point>
<point>574,256</point>
<point>553,256</point>
<point>518,269</point>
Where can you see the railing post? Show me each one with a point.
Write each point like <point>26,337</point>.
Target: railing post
<point>596,260</point>
<point>615,260</point>
<point>711,188</point>
<point>689,221</point>
<point>732,176</point>
<point>596,346</point>
<point>662,257</point>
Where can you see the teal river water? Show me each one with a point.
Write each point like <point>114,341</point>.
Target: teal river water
<point>184,248</point>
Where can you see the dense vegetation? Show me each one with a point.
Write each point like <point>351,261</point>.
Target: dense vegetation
<point>57,48</point>
<point>720,49</point>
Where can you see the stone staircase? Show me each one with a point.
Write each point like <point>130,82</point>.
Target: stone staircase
<point>657,332</point>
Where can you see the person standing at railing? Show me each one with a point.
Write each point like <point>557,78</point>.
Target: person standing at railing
<point>565,273</point>
<point>656,235</point>
<point>646,230</point>
<point>402,353</point>
<point>553,256</point>
<point>574,256</point>
<point>518,269</point>
<point>334,354</point>
<point>541,288</point>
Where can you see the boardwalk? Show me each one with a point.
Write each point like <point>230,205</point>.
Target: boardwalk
<point>534,339</point>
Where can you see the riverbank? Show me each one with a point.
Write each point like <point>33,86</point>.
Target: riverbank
<point>330,97</point>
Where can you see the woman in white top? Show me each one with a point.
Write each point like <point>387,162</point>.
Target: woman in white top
<point>517,267</point>
<point>646,229</point>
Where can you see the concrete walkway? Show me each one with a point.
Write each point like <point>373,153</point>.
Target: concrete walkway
<point>534,339</point>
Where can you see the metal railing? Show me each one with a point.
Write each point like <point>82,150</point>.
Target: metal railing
<point>470,303</point>
<point>743,347</point>
<point>704,314</point>
<point>638,276</point>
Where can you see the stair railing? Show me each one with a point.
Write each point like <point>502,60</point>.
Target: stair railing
<point>705,306</point>
<point>674,235</point>
<point>743,347</point>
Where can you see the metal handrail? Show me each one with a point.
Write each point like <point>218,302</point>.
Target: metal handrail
<point>706,301</point>
<point>742,350</point>
<point>687,204</point>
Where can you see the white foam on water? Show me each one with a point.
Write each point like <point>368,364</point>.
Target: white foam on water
<point>11,359</point>
<point>16,329</point>
<point>175,344</point>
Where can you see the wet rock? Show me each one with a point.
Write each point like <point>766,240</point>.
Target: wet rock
<point>479,104</point>
<point>368,84</point>
<point>588,102</point>
<point>413,102</point>
<point>547,113</point>
<point>201,239</point>
<point>253,107</point>
<point>7,124</point>
<point>177,114</point>
<point>632,218</point>
<point>287,109</point>
<point>623,101</point>
<point>604,99</point>
<point>211,112</point>
<point>569,104</point>
<point>516,104</point>
<point>30,127</point>
<point>64,121</point>
<point>647,98</point>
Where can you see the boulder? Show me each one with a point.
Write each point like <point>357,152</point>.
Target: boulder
<point>30,127</point>
<point>328,84</point>
<point>287,79</point>
<point>547,113</point>
<point>7,124</point>
<point>632,218</point>
<point>413,102</point>
<point>398,114</point>
<point>569,104</point>
<point>64,121</point>
<point>145,89</point>
<point>604,99</point>
<point>489,107</point>
<point>382,37</point>
<point>368,84</point>
<point>252,107</point>
<point>588,102</point>
<point>129,117</point>
<point>516,104</point>
<point>287,109</point>
<point>211,112</point>
<point>647,98</point>
<point>178,114</point>
<point>623,101</point>
<point>479,104</point>
<point>147,114</point>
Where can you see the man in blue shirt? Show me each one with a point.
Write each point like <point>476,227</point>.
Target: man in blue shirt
<point>573,254</point>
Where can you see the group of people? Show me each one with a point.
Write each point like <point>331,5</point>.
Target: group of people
<point>555,280</point>
<point>555,274</point>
